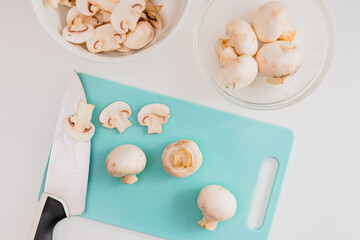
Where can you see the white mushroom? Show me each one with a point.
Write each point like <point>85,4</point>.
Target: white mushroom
<point>116,116</point>
<point>228,56</point>
<point>106,5</point>
<point>240,73</point>
<point>271,23</point>
<point>102,16</point>
<point>221,45</point>
<point>278,60</point>
<point>66,3</point>
<point>78,32</point>
<point>152,7</point>
<point>126,15</point>
<point>242,37</point>
<point>142,36</point>
<point>155,19</point>
<point>154,116</point>
<point>96,20</point>
<point>105,38</point>
<point>79,126</point>
<point>126,161</point>
<point>124,49</point>
<point>86,8</point>
<point>217,204</point>
<point>182,158</point>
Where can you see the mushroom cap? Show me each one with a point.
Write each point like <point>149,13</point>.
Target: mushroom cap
<point>125,160</point>
<point>182,158</point>
<point>242,37</point>
<point>217,203</point>
<point>126,15</point>
<point>154,108</point>
<point>106,5</point>
<point>144,33</point>
<point>75,134</point>
<point>240,74</point>
<point>78,36</point>
<point>228,56</point>
<point>105,38</point>
<point>271,20</point>
<point>279,59</point>
<point>222,44</point>
<point>86,8</point>
<point>118,107</point>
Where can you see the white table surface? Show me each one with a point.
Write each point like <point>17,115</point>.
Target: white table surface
<point>321,194</point>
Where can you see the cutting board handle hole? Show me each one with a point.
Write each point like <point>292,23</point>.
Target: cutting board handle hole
<point>262,193</point>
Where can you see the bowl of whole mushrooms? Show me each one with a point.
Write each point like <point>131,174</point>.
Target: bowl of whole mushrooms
<point>110,30</point>
<point>264,54</point>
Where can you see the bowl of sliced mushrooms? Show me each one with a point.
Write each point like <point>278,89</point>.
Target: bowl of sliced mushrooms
<point>110,30</point>
<point>264,54</point>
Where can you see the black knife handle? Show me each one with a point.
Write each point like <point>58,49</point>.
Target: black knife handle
<point>50,211</point>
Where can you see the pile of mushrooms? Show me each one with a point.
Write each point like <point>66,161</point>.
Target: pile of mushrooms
<point>110,25</point>
<point>277,59</point>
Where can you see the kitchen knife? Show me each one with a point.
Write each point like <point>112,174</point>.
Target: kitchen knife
<point>67,175</point>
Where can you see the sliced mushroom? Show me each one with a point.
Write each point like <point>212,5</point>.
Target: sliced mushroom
<point>74,13</point>
<point>126,161</point>
<point>79,126</point>
<point>124,49</point>
<point>217,204</point>
<point>242,37</point>
<point>143,17</point>
<point>228,56</point>
<point>67,3</point>
<point>105,38</point>
<point>271,23</point>
<point>240,74</point>
<point>126,15</point>
<point>102,16</point>
<point>78,32</point>
<point>86,8</point>
<point>222,44</point>
<point>155,19</point>
<point>116,116</point>
<point>154,116</point>
<point>150,7</point>
<point>106,5</point>
<point>182,158</point>
<point>278,60</point>
<point>142,36</point>
<point>54,3</point>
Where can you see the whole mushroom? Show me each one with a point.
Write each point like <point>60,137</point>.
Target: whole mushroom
<point>217,204</point>
<point>142,35</point>
<point>116,116</point>
<point>228,56</point>
<point>240,73</point>
<point>105,38</point>
<point>78,126</point>
<point>242,37</point>
<point>154,116</point>
<point>271,23</point>
<point>126,161</point>
<point>278,60</point>
<point>182,158</point>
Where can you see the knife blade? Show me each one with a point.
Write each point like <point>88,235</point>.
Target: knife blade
<point>68,169</point>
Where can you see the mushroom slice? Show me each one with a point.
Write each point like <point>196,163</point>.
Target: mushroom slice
<point>228,56</point>
<point>142,36</point>
<point>217,204</point>
<point>154,116</point>
<point>78,126</point>
<point>126,161</point>
<point>126,15</point>
<point>78,32</point>
<point>155,19</point>
<point>67,3</point>
<point>242,37</point>
<point>143,17</point>
<point>240,73</point>
<point>124,49</point>
<point>86,8</point>
<point>222,44</point>
<point>54,3</point>
<point>278,60</point>
<point>102,17</point>
<point>74,13</point>
<point>182,158</point>
<point>106,5</point>
<point>116,116</point>
<point>152,7</point>
<point>271,23</point>
<point>105,38</point>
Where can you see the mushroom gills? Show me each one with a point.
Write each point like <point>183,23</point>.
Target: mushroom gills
<point>181,158</point>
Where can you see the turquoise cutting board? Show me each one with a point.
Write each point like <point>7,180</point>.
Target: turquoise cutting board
<point>233,149</point>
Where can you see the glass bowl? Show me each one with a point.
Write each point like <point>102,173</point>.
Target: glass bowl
<point>314,38</point>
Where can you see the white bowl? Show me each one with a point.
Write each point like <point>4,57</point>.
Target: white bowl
<point>54,20</point>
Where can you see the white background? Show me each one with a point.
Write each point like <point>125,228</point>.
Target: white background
<point>321,194</point>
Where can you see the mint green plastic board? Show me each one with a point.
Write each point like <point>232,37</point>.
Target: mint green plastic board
<point>233,149</point>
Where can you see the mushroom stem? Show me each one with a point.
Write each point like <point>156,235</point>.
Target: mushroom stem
<point>121,123</point>
<point>155,125</point>
<point>129,179</point>
<point>208,224</point>
<point>84,113</point>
